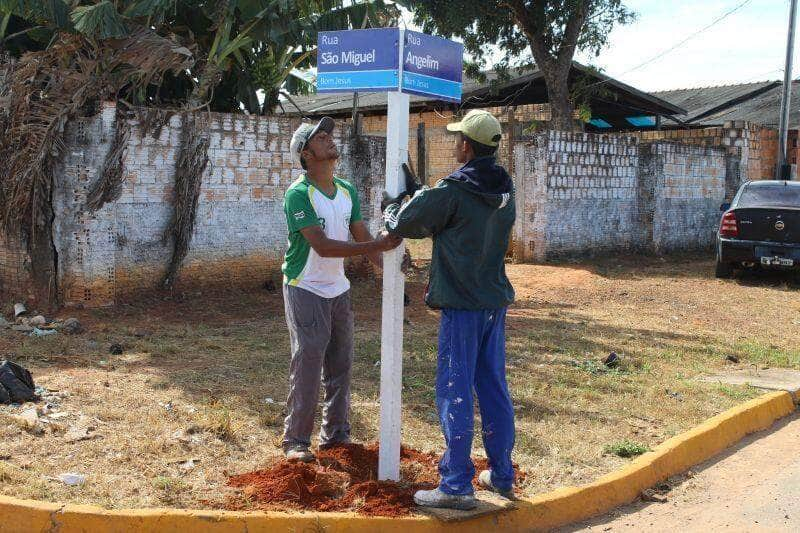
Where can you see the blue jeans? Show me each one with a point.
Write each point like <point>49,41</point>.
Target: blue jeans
<point>472,353</point>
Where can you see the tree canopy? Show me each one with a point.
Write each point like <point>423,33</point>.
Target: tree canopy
<point>240,47</point>
<point>552,30</point>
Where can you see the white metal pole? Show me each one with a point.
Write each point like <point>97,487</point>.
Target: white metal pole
<point>393,288</point>
<point>783,131</point>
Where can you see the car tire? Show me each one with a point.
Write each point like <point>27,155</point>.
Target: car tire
<point>723,270</point>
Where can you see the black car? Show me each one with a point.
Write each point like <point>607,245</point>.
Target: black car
<point>760,227</point>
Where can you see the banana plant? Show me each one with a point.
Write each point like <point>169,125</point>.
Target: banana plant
<point>247,51</point>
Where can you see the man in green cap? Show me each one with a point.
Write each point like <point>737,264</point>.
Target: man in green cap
<point>469,214</point>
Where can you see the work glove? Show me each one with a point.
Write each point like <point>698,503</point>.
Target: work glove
<point>412,185</point>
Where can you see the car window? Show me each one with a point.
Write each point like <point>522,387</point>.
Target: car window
<point>778,196</point>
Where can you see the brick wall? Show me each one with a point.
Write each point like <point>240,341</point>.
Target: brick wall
<point>754,147</point>
<point>15,274</point>
<point>681,188</point>
<point>576,194</point>
<point>580,194</point>
<point>439,160</point>
<point>239,237</point>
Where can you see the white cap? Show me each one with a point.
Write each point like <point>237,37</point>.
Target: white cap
<point>303,133</point>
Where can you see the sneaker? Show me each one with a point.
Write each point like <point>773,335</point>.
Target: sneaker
<point>485,481</point>
<point>299,453</point>
<point>437,498</point>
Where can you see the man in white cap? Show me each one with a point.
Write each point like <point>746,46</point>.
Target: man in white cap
<point>322,211</point>
<point>469,214</point>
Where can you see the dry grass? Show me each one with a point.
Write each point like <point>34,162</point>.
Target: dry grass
<point>198,391</point>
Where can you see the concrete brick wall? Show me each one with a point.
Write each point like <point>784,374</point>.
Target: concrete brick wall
<point>239,238</point>
<point>583,194</point>
<point>15,274</point>
<point>576,195</point>
<point>685,187</point>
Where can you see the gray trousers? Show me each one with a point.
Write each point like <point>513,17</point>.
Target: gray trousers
<point>321,335</point>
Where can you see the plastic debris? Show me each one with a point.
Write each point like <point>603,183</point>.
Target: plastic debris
<point>36,332</point>
<point>72,479</point>
<point>19,309</point>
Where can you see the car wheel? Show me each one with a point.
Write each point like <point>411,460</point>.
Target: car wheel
<point>723,270</point>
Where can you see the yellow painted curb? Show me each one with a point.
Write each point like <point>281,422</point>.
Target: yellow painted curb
<point>554,509</point>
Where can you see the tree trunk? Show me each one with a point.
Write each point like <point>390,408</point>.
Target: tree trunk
<point>209,79</point>
<point>559,98</point>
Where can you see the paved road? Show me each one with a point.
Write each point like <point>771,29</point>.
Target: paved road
<point>754,486</point>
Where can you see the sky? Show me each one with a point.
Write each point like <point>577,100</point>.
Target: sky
<point>747,45</point>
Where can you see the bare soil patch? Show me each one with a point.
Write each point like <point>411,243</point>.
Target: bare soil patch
<point>342,478</point>
<point>197,393</point>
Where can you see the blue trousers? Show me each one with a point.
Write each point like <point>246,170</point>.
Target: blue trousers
<point>472,354</point>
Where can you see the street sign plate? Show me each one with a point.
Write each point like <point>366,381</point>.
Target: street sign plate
<point>432,66</point>
<point>357,60</point>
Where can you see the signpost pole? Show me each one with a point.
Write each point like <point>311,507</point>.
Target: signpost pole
<point>367,60</point>
<point>393,290</point>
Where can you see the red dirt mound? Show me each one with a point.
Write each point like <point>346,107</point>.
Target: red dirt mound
<point>343,478</point>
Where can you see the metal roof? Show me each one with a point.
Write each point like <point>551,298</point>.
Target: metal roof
<point>526,86</point>
<point>758,103</point>
<point>701,101</point>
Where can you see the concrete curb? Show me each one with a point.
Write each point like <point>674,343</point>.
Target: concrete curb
<point>560,507</point>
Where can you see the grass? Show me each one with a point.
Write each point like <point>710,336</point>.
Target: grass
<point>195,386</point>
<point>626,449</point>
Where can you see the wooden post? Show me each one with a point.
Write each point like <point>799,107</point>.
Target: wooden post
<point>511,138</point>
<point>422,168</point>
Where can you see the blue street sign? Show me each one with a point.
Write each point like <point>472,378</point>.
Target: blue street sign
<point>357,60</point>
<point>432,66</point>
<point>367,60</point>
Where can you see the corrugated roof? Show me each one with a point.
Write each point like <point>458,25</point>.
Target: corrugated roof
<point>763,109</point>
<point>700,101</point>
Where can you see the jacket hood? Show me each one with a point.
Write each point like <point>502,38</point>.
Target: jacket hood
<point>484,177</point>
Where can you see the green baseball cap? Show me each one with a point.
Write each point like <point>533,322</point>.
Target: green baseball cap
<point>480,126</point>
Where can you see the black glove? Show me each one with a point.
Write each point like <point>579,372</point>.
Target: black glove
<point>412,186</point>
<point>412,183</point>
<point>389,200</point>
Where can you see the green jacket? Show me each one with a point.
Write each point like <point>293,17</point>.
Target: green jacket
<point>469,214</point>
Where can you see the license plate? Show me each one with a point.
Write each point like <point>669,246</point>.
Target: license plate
<point>777,261</point>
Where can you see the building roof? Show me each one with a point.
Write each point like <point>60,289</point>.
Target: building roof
<point>526,86</point>
<point>757,103</point>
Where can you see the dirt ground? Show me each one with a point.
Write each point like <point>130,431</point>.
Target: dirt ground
<point>754,486</point>
<point>197,393</point>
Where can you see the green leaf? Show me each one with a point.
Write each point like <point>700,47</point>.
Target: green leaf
<point>48,12</point>
<point>147,8</point>
<point>100,21</point>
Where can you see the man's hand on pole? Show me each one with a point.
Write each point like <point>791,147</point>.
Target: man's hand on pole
<point>412,185</point>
